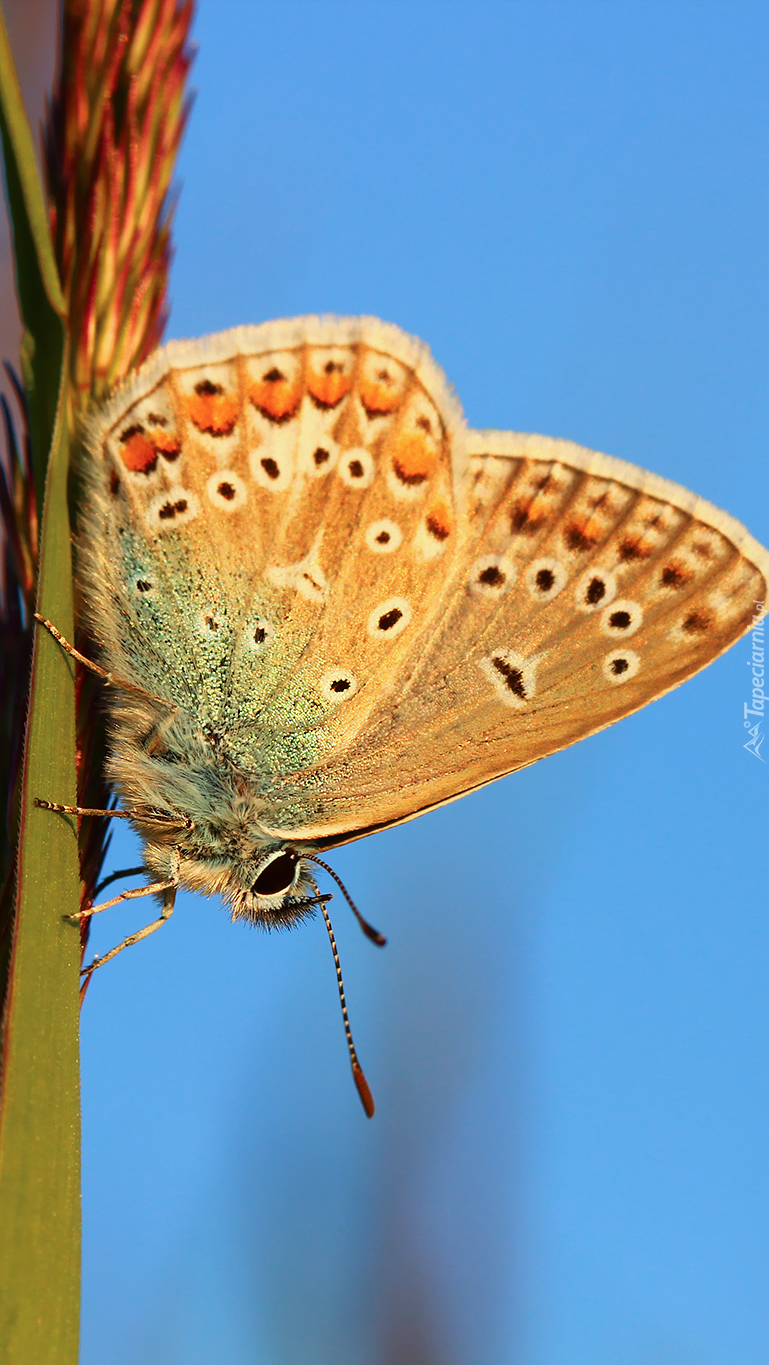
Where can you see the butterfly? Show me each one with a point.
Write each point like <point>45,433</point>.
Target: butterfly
<point>324,605</point>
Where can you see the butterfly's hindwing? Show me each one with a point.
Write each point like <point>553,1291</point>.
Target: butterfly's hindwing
<point>581,596</point>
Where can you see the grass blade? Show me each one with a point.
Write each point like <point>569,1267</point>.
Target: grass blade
<point>40,1115</point>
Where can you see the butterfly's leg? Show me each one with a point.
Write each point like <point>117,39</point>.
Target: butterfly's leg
<point>174,822</point>
<point>80,810</point>
<point>110,679</point>
<point>70,649</point>
<point>169,896</point>
<point>134,893</point>
<point>116,876</point>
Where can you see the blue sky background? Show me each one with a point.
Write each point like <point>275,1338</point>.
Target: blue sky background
<point>568,1034</point>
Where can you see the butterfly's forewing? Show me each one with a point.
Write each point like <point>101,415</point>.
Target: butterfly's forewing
<point>264,520</point>
<point>365,608</point>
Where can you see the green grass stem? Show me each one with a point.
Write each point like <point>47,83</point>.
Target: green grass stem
<point>40,1094</point>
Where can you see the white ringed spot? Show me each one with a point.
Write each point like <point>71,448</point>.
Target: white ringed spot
<point>511,676</point>
<point>271,466</point>
<point>356,468</point>
<point>226,490</point>
<point>389,618</point>
<point>383,537</point>
<point>595,589</point>
<point>171,509</point>
<point>317,451</point>
<point>545,578</point>
<point>322,458</point>
<point>491,576</point>
<point>621,665</point>
<point>621,619</point>
<point>337,685</point>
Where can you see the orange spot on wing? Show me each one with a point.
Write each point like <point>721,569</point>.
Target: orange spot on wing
<point>165,443</point>
<point>329,388</point>
<point>438,521</point>
<point>524,520</point>
<point>631,549</point>
<point>211,409</point>
<point>580,536</point>
<point>139,454</point>
<point>378,399</point>
<point>275,396</point>
<point>139,450</point>
<point>674,576</point>
<point>414,460</point>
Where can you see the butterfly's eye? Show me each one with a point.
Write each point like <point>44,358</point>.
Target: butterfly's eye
<point>277,876</point>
